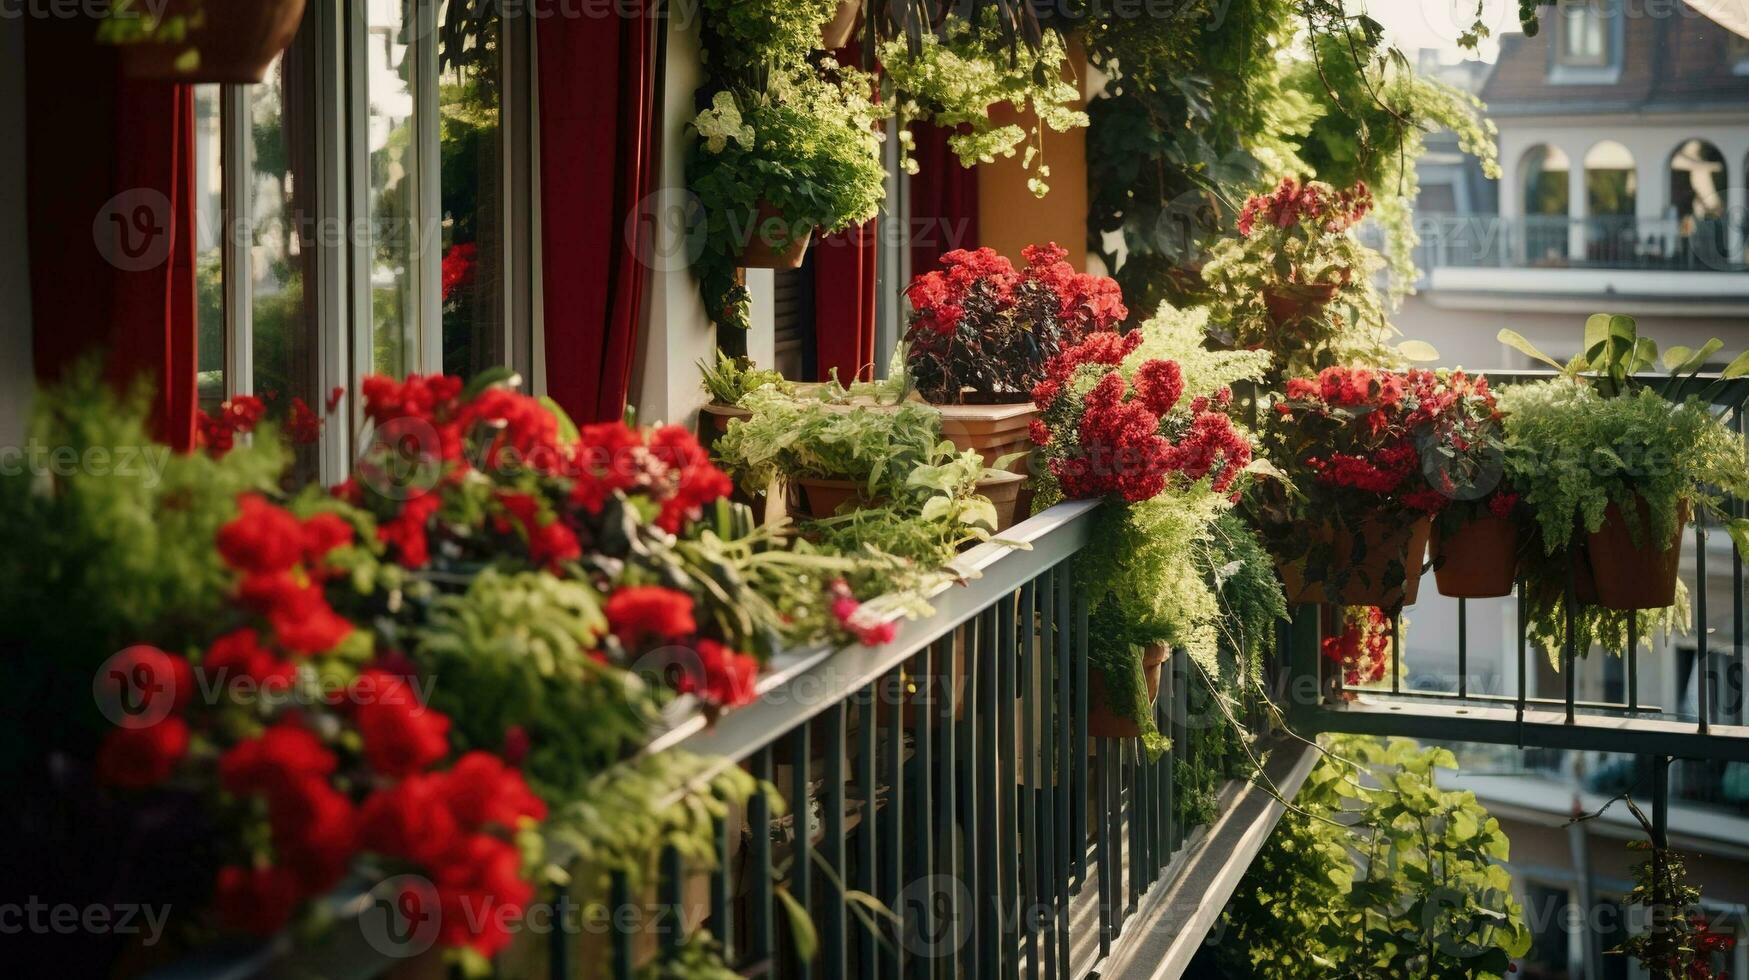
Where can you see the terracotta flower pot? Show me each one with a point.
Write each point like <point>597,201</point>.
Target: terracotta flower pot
<point>823,497</point>
<point>1296,301</point>
<point>1630,575</point>
<point>1365,583</point>
<point>1478,560</point>
<point>1102,721</point>
<point>236,41</point>
<point>993,430</point>
<point>1003,490</point>
<point>765,248</point>
<point>837,31</point>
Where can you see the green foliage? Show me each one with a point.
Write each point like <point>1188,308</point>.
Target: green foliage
<point>1177,335</point>
<point>754,35</point>
<point>1376,873</point>
<point>1196,117</point>
<point>788,437</point>
<point>805,148</point>
<point>1373,114</point>
<point>1113,651</point>
<point>1242,576</point>
<point>514,650</point>
<point>731,378</point>
<point>956,76</point>
<point>110,537</point>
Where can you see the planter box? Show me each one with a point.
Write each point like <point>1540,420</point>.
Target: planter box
<point>1365,582</point>
<point>1477,561</point>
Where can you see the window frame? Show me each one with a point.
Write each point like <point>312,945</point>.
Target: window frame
<point>337,104</point>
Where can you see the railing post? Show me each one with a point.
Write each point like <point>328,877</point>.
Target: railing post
<point>1305,670</point>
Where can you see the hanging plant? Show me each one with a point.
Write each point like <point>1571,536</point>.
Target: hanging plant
<point>955,77</point>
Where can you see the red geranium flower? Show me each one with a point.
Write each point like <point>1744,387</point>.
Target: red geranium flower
<point>650,612</point>
<point>139,758</point>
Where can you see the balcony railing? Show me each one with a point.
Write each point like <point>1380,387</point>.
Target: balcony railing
<point>949,775</point>
<point>1561,242</point>
<point>1621,719</point>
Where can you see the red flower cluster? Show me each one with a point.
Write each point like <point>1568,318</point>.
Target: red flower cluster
<point>1363,648</point>
<point>845,609</point>
<point>280,561</point>
<point>1313,203</point>
<point>428,429</point>
<point>984,326</point>
<point>1367,432</point>
<point>1129,439</point>
<point>458,268</point>
<point>217,431</point>
<point>646,617</point>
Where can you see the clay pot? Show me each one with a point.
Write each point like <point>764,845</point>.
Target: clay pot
<point>823,497</point>
<point>837,31</point>
<point>993,430</point>
<point>1630,575</point>
<point>1102,721</point>
<point>1289,303</point>
<point>1478,560</point>
<point>1003,490</point>
<point>236,41</point>
<point>762,250</point>
<point>1364,584</point>
<point>713,419</point>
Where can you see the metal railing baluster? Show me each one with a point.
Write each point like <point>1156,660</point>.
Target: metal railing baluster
<point>1396,653</point>
<point>1735,675</point>
<point>1523,644</point>
<point>972,755</point>
<point>671,878</point>
<point>801,820</point>
<point>619,896</point>
<point>559,942</point>
<point>1702,658</point>
<point>868,948</point>
<point>892,823</point>
<point>1007,850</point>
<point>947,774</point>
<point>1027,896</point>
<point>1569,642</point>
<point>1046,869</point>
<point>1633,662</point>
<point>835,953</point>
<point>1068,724</point>
<point>992,939</point>
<point>922,797</point>
<point>1102,840</point>
<point>719,890</point>
<point>1078,758</point>
<point>1463,684</point>
<point>763,939</point>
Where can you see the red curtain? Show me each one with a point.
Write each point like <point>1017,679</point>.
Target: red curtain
<point>111,220</point>
<point>844,303</point>
<point>944,200</point>
<point>599,136</point>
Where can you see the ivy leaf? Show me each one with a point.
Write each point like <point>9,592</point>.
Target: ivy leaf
<point>1417,350</point>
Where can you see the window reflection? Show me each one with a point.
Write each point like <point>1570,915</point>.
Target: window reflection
<point>208,257</point>
<point>394,192</point>
<point>470,87</point>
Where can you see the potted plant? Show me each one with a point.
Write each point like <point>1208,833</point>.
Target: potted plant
<point>1475,537</point>
<point>773,165</point>
<point>1362,447</point>
<point>1296,281</point>
<point>194,41</point>
<point>1613,463</point>
<point>727,382</point>
<point>981,333</point>
<point>957,75</point>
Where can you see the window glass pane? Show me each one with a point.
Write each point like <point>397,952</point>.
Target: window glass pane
<point>208,259</point>
<point>281,258</point>
<point>469,99</point>
<point>394,192</point>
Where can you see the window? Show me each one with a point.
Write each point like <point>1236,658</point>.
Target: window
<point>374,195</point>
<point>1584,35</point>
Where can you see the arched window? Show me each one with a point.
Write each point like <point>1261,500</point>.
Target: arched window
<point>1545,180</point>
<point>1611,185</point>
<point>1698,178</point>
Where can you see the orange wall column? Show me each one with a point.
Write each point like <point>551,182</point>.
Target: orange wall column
<point>1009,216</point>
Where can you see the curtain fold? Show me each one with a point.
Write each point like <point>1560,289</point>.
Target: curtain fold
<point>111,221</point>
<point>600,146</point>
<point>844,303</point>
<point>944,200</point>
